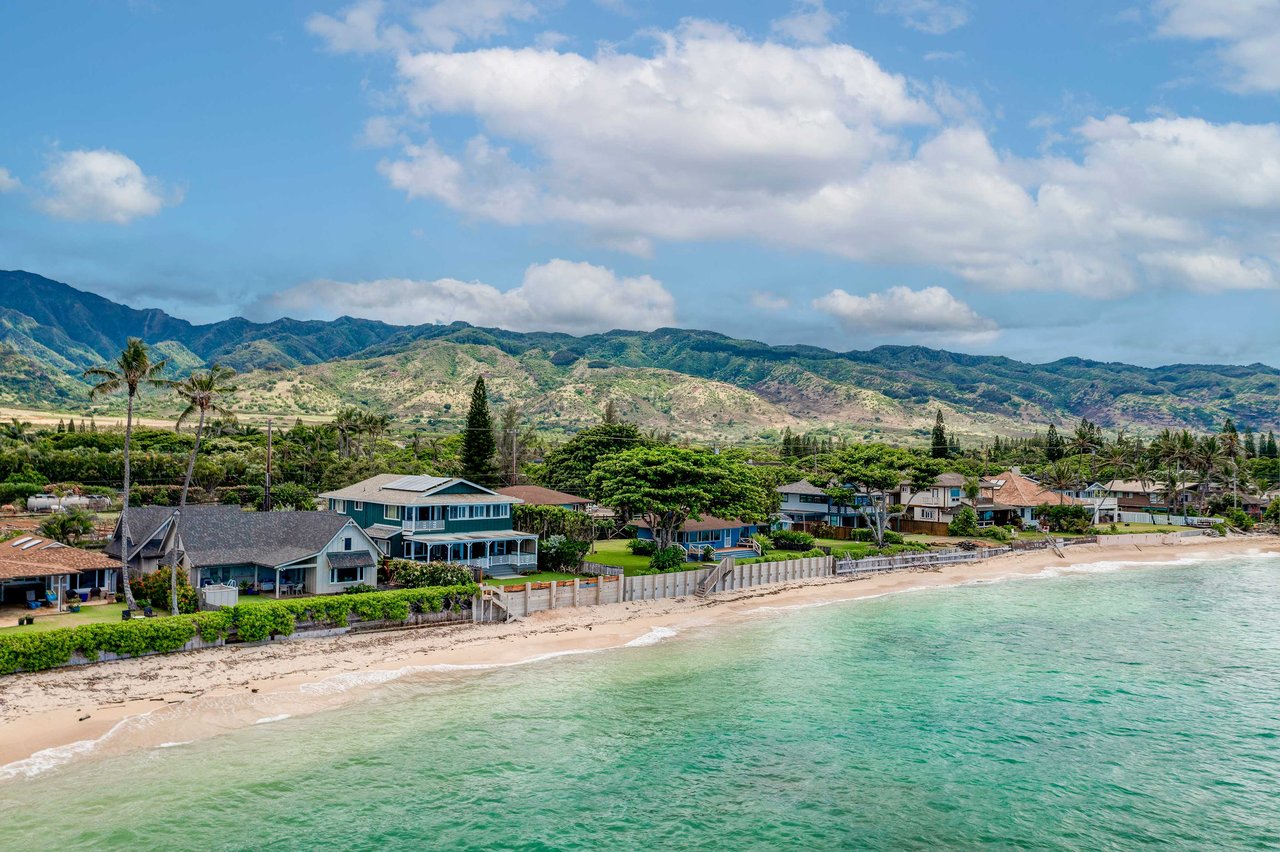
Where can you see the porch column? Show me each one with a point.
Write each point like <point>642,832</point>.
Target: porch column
<point>277,582</point>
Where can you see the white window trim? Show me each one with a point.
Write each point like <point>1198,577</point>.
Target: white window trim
<point>356,505</point>
<point>334,581</point>
<point>392,513</point>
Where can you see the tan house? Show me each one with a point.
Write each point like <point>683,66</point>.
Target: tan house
<point>30,566</point>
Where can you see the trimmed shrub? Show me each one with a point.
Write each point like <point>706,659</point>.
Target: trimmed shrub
<point>559,553</point>
<point>792,540</point>
<point>154,587</point>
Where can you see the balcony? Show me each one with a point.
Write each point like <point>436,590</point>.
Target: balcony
<point>422,526</point>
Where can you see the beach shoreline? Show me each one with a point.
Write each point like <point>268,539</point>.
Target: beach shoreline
<point>53,717</point>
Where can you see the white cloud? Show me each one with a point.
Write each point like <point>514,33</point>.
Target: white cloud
<point>365,27</point>
<point>355,30</point>
<point>808,23</point>
<point>8,182</point>
<point>101,185</point>
<point>1247,32</point>
<point>768,301</point>
<point>819,148</point>
<point>903,311</point>
<point>577,298</point>
<point>934,17</point>
<point>944,56</point>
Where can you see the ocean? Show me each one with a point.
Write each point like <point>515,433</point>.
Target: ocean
<point>1098,709</point>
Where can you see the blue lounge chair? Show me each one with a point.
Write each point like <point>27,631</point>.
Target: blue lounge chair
<point>51,599</point>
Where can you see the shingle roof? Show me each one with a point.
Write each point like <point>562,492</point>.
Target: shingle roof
<point>1011,489</point>
<point>221,535</point>
<point>536,495</point>
<point>32,556</point>
<point>802,486</point>
<point>377,489</point>
<point>354,559</point>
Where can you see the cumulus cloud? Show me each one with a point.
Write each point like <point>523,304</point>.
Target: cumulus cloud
<point>934,17</point>
<point>903,311</point>
<point>103,186</point>
<point>1247,33</point>
<point>8,182</point>
<point>808,23</point>
<point>818,147</point>
<point>576,298</point>
<point>365,26</point>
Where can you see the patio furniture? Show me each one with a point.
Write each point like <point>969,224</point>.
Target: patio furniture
<point>51,598</point>
<point>95,593</point>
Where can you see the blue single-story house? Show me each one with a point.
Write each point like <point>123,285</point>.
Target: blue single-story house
<point>726,537</point>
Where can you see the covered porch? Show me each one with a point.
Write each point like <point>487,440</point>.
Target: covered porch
<point>277,581</point>
<point>484,550</point>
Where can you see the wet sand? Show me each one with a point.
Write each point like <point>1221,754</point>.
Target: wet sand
<point>48,718</point>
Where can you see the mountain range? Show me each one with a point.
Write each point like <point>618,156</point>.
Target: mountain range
<point>695,383</point>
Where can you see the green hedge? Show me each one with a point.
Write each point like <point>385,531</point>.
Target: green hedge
<point>34,651</point>
<point>252,623</point>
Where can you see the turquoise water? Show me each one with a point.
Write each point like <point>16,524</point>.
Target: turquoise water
<point>1108,710</point>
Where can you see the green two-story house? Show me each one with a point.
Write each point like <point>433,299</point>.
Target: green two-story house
<point>438,519</point>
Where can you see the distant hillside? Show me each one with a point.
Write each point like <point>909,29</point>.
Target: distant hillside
<point>698,383</point>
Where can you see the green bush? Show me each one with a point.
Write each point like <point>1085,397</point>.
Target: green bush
<point>559,553</point>
<point>642,547</point>
<point>891,537</point>
<point>765,542</point>
<point>252,623</point>
<point>154,587</point>
<point>1239,519</point>
<point>965,523</point>
<point>1272,514</point>
<point>998,533</point>
<point>668,559</point>
<point>420,575</point>
<point>35,651</point>
<point>792,540</point>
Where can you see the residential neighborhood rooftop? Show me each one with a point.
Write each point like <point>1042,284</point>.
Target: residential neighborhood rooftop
<point>393,489</point>
<point>32,556</point>
<point>536,495</point>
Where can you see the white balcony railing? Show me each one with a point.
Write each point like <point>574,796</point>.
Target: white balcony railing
<point>422,526</point>
<point>514,559</point>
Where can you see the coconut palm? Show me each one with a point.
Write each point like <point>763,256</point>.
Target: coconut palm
<point>132,371</point>
<point>203,393</point>
<point>1061,476</point>
<point>1172,484</point>
<point>67,527</point>
<point>17,431</point>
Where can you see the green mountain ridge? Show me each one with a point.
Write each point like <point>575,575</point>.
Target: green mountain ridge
<point>696,383</point>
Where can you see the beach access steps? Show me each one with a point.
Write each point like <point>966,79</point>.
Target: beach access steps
<point>714,576</point>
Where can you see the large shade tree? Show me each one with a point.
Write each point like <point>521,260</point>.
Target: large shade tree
<point>132,371</point>
<point>666,486</point>
<point>568,467</point>
<point>867,475</point>
<point>204,393</point>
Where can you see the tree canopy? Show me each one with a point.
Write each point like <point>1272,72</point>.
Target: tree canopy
<point>665,486</point>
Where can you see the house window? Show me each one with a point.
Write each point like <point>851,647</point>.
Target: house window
<point>504,510</point>
<point>955,492</point>
<point>393,513</point>
<point>339,506</point>
<point>812,498</point>
<point>356,505</point>
<point>346,543</point>
<point>384,547</point>
<point>346,575</point>
<point>455,512</point>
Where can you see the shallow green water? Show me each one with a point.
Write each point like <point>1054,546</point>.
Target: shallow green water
<point>1109,710</point>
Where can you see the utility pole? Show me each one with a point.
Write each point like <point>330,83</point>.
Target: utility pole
<point>266,492</point>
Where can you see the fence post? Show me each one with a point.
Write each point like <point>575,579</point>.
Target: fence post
<point>575,592</point>
<point>552,605</point>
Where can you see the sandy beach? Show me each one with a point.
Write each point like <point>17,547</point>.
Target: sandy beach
<point>49,718</point>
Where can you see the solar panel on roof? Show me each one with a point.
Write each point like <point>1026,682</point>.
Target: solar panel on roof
<point>21,541</point>
<point>414,483</point>
<point>31,544</point>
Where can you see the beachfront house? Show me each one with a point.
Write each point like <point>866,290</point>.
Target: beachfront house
<point>725,537</point>
<point>438,519</point>
<point>32,567</point>
<point>804,503</point>
<point>1148,497</point>
<point>1014,498</point>
<point>291,552</point>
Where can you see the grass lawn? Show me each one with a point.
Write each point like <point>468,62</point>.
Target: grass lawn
<point>616,553</point>
<point>96,614</point>
<point>540,577</point>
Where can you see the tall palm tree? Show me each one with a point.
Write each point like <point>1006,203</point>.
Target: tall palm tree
<point>1172,482</point>
<point>1207,459</point>
<point>18,431</point>
<point>203,393</point>
<point>132,371</point>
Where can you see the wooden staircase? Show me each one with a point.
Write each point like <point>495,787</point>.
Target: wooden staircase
<point>713,578</point>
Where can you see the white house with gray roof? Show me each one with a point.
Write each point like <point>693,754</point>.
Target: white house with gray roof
<point>312,552</point>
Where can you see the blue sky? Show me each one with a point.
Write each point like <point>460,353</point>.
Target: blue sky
<point>1037,180</point>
